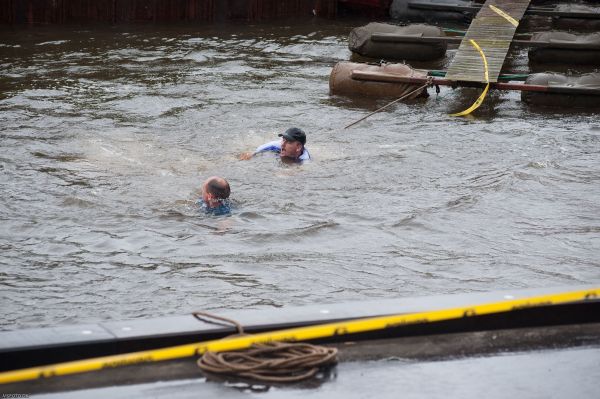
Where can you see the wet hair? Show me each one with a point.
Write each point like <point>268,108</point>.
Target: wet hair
<point>218,187</point>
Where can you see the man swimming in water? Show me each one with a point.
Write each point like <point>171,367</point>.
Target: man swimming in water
<point>215,196</point>
<point>290,148</point>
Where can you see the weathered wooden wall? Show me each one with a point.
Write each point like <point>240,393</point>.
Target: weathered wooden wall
<point>116,11</point>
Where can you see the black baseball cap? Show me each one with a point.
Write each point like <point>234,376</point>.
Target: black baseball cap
<point>294,134</point>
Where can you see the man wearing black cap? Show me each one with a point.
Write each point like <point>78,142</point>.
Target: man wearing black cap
<point>290,147</point>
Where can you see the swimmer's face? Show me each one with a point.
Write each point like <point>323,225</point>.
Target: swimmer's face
<point>205,196</point>
<point>290,149</point>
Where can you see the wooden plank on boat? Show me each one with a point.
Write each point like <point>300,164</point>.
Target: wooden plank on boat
<point>493,33</point>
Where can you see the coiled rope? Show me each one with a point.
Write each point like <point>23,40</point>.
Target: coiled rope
<point>274,362</point>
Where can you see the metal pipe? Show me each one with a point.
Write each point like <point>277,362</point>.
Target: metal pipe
<point>380,77</point>
<point>394,38</point>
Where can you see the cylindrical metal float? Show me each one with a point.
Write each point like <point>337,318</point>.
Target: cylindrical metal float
<point>405,10</point>
<point>579,24</point>
<point>341,81</point>
<point>568,101</point>
<point>370,41</point>
<point>566,48</point>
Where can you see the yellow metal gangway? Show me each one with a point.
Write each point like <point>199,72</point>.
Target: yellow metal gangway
<point>492,30</point>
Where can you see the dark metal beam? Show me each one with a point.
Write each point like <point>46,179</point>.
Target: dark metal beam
<point>548,12</point>
<point>394,38</point>
<point>380,77</point>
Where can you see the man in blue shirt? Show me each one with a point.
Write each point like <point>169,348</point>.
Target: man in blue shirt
<point>215,196</point>
<point>290,148</point>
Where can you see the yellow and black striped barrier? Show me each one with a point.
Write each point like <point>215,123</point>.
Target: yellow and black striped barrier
<point>293,335</point>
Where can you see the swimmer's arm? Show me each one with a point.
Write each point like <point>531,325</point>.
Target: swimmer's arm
<point>273,146</point>
<point>244,156</point>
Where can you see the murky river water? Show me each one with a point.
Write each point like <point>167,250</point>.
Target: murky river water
<point>107,133</point>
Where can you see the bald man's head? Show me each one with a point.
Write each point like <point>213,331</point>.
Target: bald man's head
<point>217,188</point>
